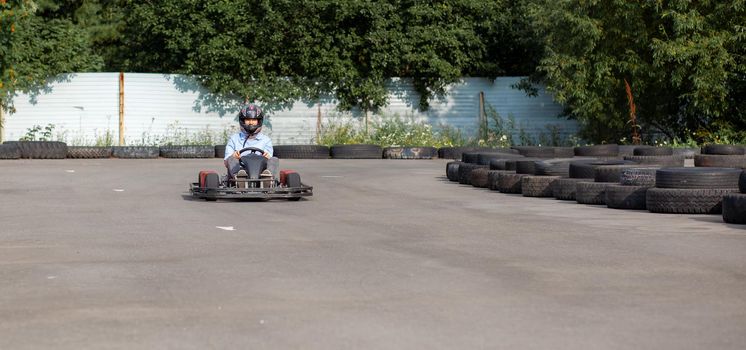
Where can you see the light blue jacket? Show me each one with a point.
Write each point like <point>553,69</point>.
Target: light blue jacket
<point>239,141</point>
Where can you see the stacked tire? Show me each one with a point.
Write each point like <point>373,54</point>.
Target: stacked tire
<point>691,190</point>
<point>301,152</point>
<point>724,156</point>
<point>631,191</point>
<point>662,156</point>
<point>545,172</point>
<point>734,204</point>
<point>37,149</point>
<point>9,151</point>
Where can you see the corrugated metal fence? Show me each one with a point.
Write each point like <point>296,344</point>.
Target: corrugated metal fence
<point>158,108</point>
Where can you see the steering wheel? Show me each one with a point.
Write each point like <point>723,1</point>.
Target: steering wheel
<point>253,149</point>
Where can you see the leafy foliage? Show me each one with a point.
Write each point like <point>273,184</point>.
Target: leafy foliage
<point>684,60</point>
<point>279,51</point>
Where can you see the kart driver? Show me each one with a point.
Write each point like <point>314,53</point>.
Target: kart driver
<point>250,119</point>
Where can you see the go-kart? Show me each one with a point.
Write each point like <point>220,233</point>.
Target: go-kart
<point>250,182</point>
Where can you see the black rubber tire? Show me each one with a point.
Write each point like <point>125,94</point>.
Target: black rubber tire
<point>492,178</point>
<point>742,182</point>
<point>509,183</point>
<point>88,152</point>
<point>479,177</point>
<point>452,170</point>
<point>609,173</point>
<point>687,153</point>
<point>652,151</point>
<point>673,161</point>
<point>627,150</point>
<point>135,152</point>
<point>609,150</point>
<point>686,200</point>
<point>584,169</point>
<point>538,186</point>
<point>526,166</point>
<point>9,151</point>
<point>361,151</point>
<point>697,178</point>
<point>638,176</point>
<point>591,192</point>
<point>409,152</point>
<point>625,197</point>
<point>470,157</point>
<point>220,151</point>
<point>535,151</point>
<point>486,158</point>
<point>454,153</point>
<point>564,188</point>
<point>554,167</point>
<point>464,172</point>
<point>41,149</point>
<point>734,208</point>
<point>501,163</point>
<point>301,152</point>
<point>185,151</point>
<point>720,161</point>
<point>723,149</point>
<point>510,164</point>
<point>564,152</point>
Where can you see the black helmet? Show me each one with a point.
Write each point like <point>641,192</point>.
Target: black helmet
<point>250,112</point>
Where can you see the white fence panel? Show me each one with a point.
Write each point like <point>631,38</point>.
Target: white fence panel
<point>163,108</point>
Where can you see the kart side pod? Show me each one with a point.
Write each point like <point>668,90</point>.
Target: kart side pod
<point>209,179</point>
<point>289,178</point>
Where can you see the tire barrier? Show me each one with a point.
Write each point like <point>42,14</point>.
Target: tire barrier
<point>409,152</point>
<point>526,166</point>
<point>724,149</point>
<point>638,176</point>
<point>720,161</point>
<point>301,152</point>
<point>625,197</point>
<point>609,173</point>
<point>609,150</point>
<point>40,149</point>
<point>135,152</point>
<point>509,183</point>
<point>88,152</point>
<point>734,208</point>
<point>674,161</point>
<point>686,200</point>
<point>464,172</point>
<point>187,151</point>
<point>591,192</point>
<point>652,151</point>
<point>492,178</point>
<point>479,177</point>
<point>452,171</point>
<point>360,151</point>
<point>537,186</point>
<point>9,151</point>
<point>565,188</point>
<point>690,178</point>
<point>535,151</point>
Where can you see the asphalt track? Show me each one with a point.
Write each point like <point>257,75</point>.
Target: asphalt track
<point>387,254</point>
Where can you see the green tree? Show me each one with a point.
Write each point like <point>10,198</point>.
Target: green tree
<point>40,44</point>
<point>684,61</point>
<point>278,51</point>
